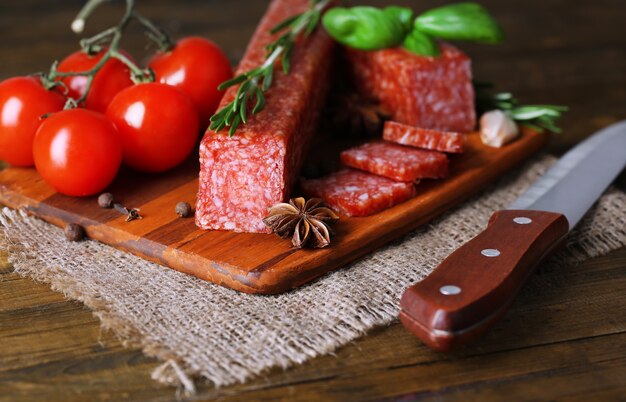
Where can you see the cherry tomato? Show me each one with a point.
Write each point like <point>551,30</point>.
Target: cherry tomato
<point>158,126</point>
<point>112,78</point>
<point>196,66</point>
<point>23,100</point>
<point>78,152</point>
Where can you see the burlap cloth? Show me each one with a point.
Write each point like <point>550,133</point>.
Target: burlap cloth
<point>202,330</point>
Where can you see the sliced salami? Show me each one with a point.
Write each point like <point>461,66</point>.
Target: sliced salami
<point>241,176</point>
<point>430,92</point>
<point>445,141</point>
<point>397,162</point>
<point>356,193</point>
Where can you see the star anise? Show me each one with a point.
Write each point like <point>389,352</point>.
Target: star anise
<point>308,223</point>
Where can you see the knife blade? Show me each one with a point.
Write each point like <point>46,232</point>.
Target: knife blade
<point>473,287</point>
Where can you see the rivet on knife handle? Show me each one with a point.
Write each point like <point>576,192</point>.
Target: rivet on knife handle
<point>473,287</point>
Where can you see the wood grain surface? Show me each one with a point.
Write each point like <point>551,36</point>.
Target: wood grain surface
<point>563,338</point>
<point>252,263</point>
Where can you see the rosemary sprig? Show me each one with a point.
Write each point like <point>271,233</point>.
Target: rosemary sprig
<point>255,82</point>
<point>538,117</point>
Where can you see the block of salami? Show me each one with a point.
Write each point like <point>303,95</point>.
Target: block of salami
<point>444,141</point>
<point>429,92</point>
<point>356,193</point>
<point>396,162</point>
<point>241,176</point>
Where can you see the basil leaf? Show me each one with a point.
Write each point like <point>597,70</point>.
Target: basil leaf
<point>364,28</point>
<point>402,15</point>
<point>421,44</point>
<point>461,21</point>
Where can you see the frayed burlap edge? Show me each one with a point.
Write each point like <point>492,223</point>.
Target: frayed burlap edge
<point>21,259</point>
<point>37,250</point>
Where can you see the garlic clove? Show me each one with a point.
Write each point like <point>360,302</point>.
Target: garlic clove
<point>497,128</point>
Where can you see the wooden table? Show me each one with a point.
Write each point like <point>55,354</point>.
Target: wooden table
<point>564,338</point>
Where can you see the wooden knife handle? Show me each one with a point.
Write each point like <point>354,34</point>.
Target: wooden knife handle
<point>473,287</point>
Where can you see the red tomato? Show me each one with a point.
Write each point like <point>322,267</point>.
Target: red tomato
<point>112,78</point>
<point>78,152</point>
<point>23,100</point>
<point>196,66</point>
<point>158,126</point>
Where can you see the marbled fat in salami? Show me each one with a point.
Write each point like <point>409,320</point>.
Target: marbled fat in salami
<point>429,92</point>
<point>356,193</point>
<point>445,141</point>
<point>396,162</point>
<point>241,176</point>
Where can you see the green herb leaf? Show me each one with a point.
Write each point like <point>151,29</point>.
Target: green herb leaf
<point>279,27</point>
<point>240,92</point>
<point>268,79</point>
<point>538,117</point>
<point>260,101</point>
<point>234,125</point>
<point>402,15</point>
<point>243,111</point>
<point>365,28</point>
<point>532,112</point>
<point>232,82</point>
<point>286,59</point>
<point>313,23</point>
<point>420,44</point>
<point>461,21</point>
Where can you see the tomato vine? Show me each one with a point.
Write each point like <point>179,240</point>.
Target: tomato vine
<point>108,42</point>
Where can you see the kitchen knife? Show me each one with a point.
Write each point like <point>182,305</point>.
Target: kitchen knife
<point>473,286</point>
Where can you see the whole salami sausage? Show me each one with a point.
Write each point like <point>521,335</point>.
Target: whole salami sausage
<point>428,92</point>
<point>241,176</point>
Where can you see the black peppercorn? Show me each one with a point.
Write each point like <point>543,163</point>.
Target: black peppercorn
<point>105,200</point>
<point>74,232</point>
<point>183,209</point>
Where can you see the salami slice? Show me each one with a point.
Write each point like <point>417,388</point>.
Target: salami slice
<point>430,92</point>
<point>356,193</point>
<point>444,141</point>
<point>397,162</point>
<point>241,176</point>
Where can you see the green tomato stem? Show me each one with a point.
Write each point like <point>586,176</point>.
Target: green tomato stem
<point>138,75</point>
<point>112,36</point>
<point>90,76</point>
<point>54,73</point>
<point>78,25</point>
<point>73,103</point>
<point>88,44</point>
<point>155,33</point>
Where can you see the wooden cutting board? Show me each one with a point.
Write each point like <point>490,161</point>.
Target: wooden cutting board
<point>253,263</point>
